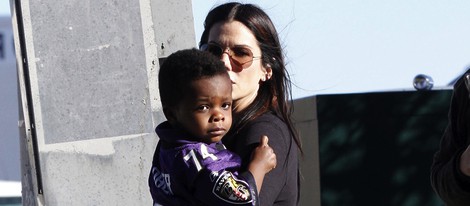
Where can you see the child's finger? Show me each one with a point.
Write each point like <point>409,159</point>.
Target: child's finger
<point>264,140</point>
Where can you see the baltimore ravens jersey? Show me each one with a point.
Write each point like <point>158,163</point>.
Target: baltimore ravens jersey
<point>188,172</point>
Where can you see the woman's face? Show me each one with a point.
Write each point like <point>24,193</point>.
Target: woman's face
<point>245,79</point>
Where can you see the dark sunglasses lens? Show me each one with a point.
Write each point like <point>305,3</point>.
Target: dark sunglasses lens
<point>215,50</point>
<point>242,55</point>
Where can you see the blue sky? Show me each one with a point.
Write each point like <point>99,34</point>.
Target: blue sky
<point>344,46</point>
<point>4,7</point>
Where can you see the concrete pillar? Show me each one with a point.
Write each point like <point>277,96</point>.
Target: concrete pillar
<point>89,97</point>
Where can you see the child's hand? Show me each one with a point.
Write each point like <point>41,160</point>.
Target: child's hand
<point>263,156</point>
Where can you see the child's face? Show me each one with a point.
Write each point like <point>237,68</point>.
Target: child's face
<point>206,108</point>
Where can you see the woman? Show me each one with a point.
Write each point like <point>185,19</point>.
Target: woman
<point>450,171</point>
<point>245,39</point>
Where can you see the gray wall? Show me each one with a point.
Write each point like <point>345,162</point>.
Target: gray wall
<point>306,123</point>
<point>90,99</point>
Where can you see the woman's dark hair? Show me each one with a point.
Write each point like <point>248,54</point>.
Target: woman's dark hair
<point>183,67</point>
<point>273,95</point>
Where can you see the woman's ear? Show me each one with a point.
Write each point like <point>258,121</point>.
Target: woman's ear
<point>268,72</point>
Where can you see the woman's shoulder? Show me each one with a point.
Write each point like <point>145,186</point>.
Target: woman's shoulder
<point>267,124</point>
<point>269,118</point>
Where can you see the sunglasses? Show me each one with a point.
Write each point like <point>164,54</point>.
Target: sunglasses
<point>240,55</point>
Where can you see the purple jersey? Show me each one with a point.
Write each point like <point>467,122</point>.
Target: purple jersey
<point>187,172</point>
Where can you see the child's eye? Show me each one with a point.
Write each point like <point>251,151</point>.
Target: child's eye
<point>203,108</point>
<point>226,106</point>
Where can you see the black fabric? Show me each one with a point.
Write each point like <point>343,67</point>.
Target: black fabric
<point>452,186</point>
<point>280,185</point>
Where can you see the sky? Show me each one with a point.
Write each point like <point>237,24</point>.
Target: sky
<point>344,46</point>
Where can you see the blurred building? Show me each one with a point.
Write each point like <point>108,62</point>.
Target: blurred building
<point>10,172</point>
<point>9,135</point>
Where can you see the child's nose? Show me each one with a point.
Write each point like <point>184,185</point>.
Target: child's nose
<point>218,116</point>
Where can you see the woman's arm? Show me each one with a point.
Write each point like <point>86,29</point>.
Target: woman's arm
<point>280,185</point>
<point>447,177</point>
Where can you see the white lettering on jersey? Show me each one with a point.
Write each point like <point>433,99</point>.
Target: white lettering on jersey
<point>204,153</point>
<point>162,181</point>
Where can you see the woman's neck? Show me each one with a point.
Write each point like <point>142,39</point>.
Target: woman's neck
<point>242,103</point>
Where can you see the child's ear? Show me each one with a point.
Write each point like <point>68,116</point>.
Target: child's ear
<point>169,114</point>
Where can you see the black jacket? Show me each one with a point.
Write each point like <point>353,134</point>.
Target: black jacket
<point>452,186</point>
<point>280,185</point>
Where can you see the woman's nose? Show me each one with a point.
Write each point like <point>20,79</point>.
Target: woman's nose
<point>226,59</point>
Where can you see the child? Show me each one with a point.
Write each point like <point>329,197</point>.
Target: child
<point>190,165</point>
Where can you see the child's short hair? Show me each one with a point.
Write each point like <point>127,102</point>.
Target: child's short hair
<point>182,67</point>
